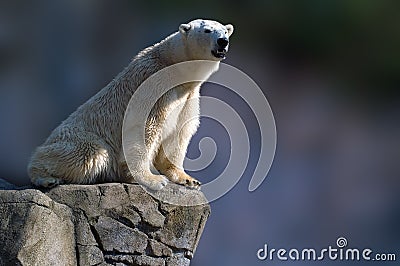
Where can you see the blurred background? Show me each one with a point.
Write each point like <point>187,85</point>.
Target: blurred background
<point>331,73</point>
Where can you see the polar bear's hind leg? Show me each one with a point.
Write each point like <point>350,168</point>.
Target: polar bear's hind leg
<point>76,161</point>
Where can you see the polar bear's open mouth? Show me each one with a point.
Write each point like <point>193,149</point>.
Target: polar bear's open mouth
<point>219,53</point>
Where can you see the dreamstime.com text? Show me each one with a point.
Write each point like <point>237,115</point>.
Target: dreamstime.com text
<point>336,253</point>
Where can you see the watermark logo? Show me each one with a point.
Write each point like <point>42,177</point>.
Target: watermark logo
<point>340,252</point>
<point>151,90</point>
<point>341,242</point>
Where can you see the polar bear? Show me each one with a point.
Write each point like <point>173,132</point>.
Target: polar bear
<point>86,148</point>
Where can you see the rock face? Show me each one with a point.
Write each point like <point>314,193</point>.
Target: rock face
<point>35,230</point>
<point>105,224</point>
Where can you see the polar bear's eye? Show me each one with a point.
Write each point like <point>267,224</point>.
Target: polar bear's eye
<point>207,31</point>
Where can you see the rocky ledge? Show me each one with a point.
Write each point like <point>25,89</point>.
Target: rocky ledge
<point>105,224</point>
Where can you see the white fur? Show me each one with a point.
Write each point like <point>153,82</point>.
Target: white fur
<point>87,147</point>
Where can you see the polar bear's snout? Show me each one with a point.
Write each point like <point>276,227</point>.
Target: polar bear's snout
<point>222,42</point>
<point>221,47</point>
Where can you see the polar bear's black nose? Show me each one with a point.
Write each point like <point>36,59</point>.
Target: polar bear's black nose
<point>222,42</point>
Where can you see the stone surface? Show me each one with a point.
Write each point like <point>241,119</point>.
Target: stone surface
<point>115,236</point>
<point>90,255</point>
<point>35,230</point>
<point>159,249</point>
<point>177,261</point>
<point>105,224</point>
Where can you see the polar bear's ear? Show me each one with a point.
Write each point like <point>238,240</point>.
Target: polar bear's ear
<point>184,28</point>
<point>229,28</point>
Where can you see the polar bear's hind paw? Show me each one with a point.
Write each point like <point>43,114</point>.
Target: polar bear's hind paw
<point>47,182</point>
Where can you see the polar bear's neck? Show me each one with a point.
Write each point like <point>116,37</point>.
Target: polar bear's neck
<point>170,51</point>
<point>173,50</point>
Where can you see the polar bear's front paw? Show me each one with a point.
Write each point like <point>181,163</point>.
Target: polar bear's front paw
<point>182,178</point>
<point>154,182</point>
<point>191,182</point>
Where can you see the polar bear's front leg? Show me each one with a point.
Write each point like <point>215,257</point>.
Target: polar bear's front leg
<point>173,172</point>
<point>172,151</point>
<point>171,154</point>
<point>137,158</point>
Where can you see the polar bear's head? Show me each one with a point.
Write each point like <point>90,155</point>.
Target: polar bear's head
<point>205,39</point>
